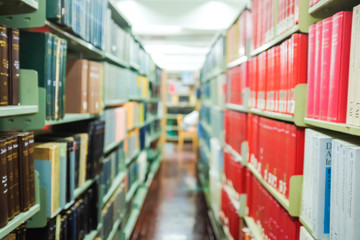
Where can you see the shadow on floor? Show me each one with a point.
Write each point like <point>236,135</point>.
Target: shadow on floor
<point>175,207</point>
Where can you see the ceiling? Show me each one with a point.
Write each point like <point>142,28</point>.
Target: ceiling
<point>178,33</point>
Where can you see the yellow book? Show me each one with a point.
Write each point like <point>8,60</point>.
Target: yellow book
<point>83,157</point>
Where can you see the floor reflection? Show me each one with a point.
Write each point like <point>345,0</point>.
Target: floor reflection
<point>175,208</point>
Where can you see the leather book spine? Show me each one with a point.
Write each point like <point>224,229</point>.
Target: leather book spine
<point>4,67</point>
<point>3,185</point>
<point>14,66</point>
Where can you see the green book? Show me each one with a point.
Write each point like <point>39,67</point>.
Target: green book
<point>36,54</point>
<point>62,78</point>
<point>55,75</point>
<point>53,9</point>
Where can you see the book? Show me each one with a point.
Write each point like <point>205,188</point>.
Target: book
<point>76,86</point>
<point>10,177</point>
<point>325,68</point>
<point>47,163</point>
<point>352,114</point>
<point>311,73</point>
<point>4,185</point>
<point>93,87</point>
<point>340,57</point>
<point>24,171</point>
<point>4,66</point>
<point>14,66</point>
<point>318,53</point>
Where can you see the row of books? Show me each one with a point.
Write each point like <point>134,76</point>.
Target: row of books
<point>268,214</point>
<point>10,66</point>
<point>116,122</point>
<point>116,80</point>
<point>138,86</point>
<point>215,58</point>
<point>132,175</point>
<point>235,173</point>
<point>17,188</point>
<point>73,223</point>
<point>113,210</point>
<point>237,82</point>
<point>132,143</point>
<point>217,123</point>
<point>237,37</point>
<point>122,44</point>
<point>84,82</point>
<point>217,90</point>
<point>46,53</point>
<point>329,202</point>
<point>236,129</point>
<point>230,215</point>
<point>276,165</point>
<point>83,17</point>
<point>275,73</point>
<point>18,234</point>
<point>267,25</point>
<point>113,165</point>
<point>328,73</point>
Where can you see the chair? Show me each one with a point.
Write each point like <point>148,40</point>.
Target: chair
<point>191,133</point>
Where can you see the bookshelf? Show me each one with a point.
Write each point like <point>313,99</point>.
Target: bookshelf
<point>336,127</point>
<point>18,7</point>
<point>31,115</point>
<point>237,62</point>
<point>326,8</point>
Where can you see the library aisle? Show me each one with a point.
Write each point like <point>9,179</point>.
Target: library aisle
<point>175,207</point>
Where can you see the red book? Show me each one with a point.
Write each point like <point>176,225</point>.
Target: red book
<point>339,75</point>
<point>283,77</point>
<point>244,80</point>
<point>318,53</point>
<point>325,68</point>
<point>261,94</point>
<point>299,65</point>
<point>289,74</point>
<point>276,77</point>
<point>311,72</point>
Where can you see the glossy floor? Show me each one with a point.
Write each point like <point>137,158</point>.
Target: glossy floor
<point>175,207</point>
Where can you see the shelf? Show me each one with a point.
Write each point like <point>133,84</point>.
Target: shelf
<point>115,103</point>
<point>206,126</point>
<point>238,200</point>
<point>153,170</point>
<point>6,111</point>
<point>337,127</point>
<point>18,220</point>
<point>114,186</point>
<point>118,17</point>
<point>293,204</point>
<point>131,222</point>
<point>254,228</point>
<point>80,190</point>
<point>326,8</point>
<point>114,229</point>
<point>236,155</point>
<point>132,190</point>
<point>299,108</point>
<point>180,105</point>
<point>214,73</point>
<point>306,226</point>
<point>113,59</point>
<point>92,235</point>
<point>172,138</point>
<point>18,7</point>
<point>237,108</point>
<point>72,117</point>
<point>276,41</point>
<point>173,116</point>
<point>237,62</point>
<point>111,147</point>
<point>132,157</point>
<point>153,137</point>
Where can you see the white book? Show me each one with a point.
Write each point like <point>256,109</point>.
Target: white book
<point>352,219</point>
<point>321,185</point>
<point>353,108</point>
<point>216,156</point>
<point>307,190</point>
<point>334,199</point>
<point>304,234</point>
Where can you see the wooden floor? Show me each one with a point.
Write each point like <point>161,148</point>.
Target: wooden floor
<point>175,207</point>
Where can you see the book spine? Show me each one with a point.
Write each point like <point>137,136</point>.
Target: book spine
<point>62,92</point>
<point>4,67</point>
<point>16,175</point>
<point>335,190</point>
<point>353,110</point>
<point>24,172</point>
<point>339,75</point>
<point>318,52</point>
<point>14,68</point>
<point>10,174</point>
<point>311,73</point>
<point>325,68</point>
<point>55,91</point>
<point>354,207</point>
<point>30,139</point>
<point>48,72</point>
<point>3,185</point>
